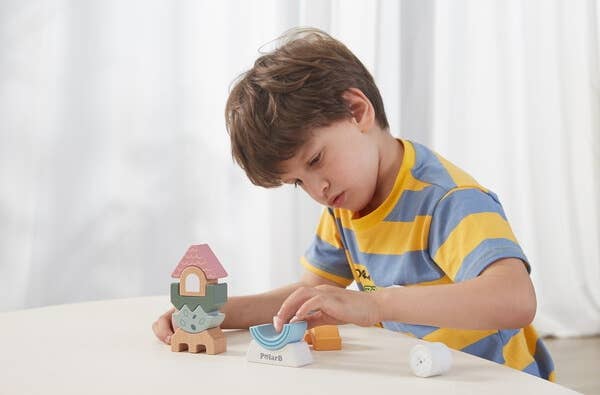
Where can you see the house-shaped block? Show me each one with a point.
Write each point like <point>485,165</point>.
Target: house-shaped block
<point>198,272</point>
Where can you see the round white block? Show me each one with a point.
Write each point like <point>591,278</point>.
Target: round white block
<point>430,359</point>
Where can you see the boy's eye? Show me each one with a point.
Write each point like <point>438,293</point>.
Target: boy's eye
<point>315,160</point>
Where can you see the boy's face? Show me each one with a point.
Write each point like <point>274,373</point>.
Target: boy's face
<point>338,166</point>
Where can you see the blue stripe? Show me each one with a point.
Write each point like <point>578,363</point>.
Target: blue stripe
<point>543,359</point>
<point>413,203</point>
<point>419,331</point>
<point>453,208</point>
<point>490,347</point>
<point>507,334</point>
<point>385,269</point>
<point>429,169</point>
<point>486,253</point>
<point>409,268</point>
<point>326,257</point>
<point>533,369</point>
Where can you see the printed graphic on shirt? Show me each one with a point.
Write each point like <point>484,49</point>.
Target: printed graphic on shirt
<point>362,277</point>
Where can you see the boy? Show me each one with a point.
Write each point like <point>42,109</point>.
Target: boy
<point>429,248</point>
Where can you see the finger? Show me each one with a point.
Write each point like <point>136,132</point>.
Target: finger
<point>311,307</point>
<point>173,322</point>
<point>308,316</point>
<point>163,330</point>
<point>321,319</point>
<point>290,306</point>
<point>314,318</point>
<point>321,309</point>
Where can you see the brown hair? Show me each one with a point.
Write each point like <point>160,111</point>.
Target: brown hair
<point>289,92</point>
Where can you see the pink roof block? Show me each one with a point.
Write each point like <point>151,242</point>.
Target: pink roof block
<point>201,256</point>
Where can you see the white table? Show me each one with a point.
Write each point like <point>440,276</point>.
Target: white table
<point>108,347</point>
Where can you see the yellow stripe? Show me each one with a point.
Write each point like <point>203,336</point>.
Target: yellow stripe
<point>439,281</point>
<point>383,238</point>
<point>459,177</point>
<point>322,273</point>
<point>457,338</point>
<point>531,337</point>
<point>468,234</point>
<point>327,230</point>
<point>552,376</point>
<point>345,217</point>
<point>390,201</point>
<point>414,184</point>
<point>515,352</point>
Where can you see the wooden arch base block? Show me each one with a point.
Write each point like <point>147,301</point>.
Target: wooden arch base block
<point>212,341</point>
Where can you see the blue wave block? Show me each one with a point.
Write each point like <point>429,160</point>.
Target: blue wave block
<point>198,320</point>
<point>268,338</point>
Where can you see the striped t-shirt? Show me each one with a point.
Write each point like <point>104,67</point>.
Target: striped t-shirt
<point>437,226</point>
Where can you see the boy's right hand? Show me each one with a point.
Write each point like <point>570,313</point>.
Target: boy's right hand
<point>164,327</point>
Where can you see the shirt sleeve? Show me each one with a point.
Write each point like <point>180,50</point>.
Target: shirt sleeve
<point>468,232</point>
<point>326,256</point>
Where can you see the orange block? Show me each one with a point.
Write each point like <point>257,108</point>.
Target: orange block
<point>324,338</point>
<point>212,341</point>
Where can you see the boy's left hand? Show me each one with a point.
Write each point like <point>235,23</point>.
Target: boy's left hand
<point>326,304</point>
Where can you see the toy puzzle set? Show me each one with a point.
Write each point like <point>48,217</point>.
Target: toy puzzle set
<point>198,295</point>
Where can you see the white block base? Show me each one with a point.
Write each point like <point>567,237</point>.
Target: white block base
<point>293,354</point>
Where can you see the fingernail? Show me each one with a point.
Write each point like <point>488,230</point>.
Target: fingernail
<point>294,319</point>
<point>168,339</point>
<point>277,323</point>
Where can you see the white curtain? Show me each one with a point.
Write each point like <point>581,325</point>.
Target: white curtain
<point>510,90</point>
<point>114,157</point>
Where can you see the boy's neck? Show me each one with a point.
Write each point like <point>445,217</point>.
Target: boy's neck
<point>391,153</point>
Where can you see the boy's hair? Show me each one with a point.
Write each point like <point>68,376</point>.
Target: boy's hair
<point>273,107</point>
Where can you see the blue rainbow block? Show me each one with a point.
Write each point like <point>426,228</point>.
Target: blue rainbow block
<point>268,338</point>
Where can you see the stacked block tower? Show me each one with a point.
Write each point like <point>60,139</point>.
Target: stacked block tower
<point>197,297</point>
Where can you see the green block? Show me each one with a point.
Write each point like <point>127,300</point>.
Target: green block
<point>216,296</point>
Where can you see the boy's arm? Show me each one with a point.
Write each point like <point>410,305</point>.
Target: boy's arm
<point>242,312</point>
<point>501,297</point>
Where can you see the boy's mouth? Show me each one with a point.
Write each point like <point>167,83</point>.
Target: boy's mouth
<point>338,200</point>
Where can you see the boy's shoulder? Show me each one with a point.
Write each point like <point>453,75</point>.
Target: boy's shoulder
<point>429,167</point>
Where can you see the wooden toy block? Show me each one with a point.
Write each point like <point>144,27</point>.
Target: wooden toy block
<point>197,321</point>
<point>324,338</point>
<point>213,341</point>
<point>308,337</point>
<point>292,354</point>
<point>216,296</point>
<point>202,257</point>
<point>266,336</point>
<point>192,278</point>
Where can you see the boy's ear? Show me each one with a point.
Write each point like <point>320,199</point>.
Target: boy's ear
<point>361,108</point>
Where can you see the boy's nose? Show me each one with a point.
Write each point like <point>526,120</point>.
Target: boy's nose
<point>319,188</point>
<point>324,189</point>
